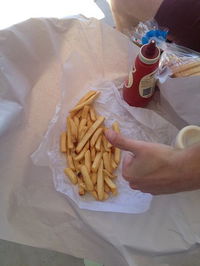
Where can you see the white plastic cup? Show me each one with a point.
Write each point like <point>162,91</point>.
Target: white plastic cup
<point>187,137</point>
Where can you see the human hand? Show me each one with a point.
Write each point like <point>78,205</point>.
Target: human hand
<point>157,168</point>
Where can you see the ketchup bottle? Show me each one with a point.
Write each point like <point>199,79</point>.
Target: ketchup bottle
<point>139,89</point>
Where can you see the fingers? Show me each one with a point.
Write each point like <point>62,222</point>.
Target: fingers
<point>123,143</point>
<point>128,167</point>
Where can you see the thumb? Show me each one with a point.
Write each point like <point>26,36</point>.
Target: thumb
<point>123,143</point>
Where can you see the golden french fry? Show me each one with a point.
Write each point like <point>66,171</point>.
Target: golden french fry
<point>117,155</point>
<point>106,188</point>
<point>105,196</point>
<point>87,96</point>
<point>93,154</point>
<point>89,133</point>
<point>113,164</point>
<point>94,178</point>
<point>73,178</point>
<point>106,162</point>
<point>96,162</point>
<point>109,145</point>
<point>88,160</point>
<point>82,153</point>
<point>89,121</point>
<point>81,189</point>
<point>85,111</point>
<point>82,133</point>
<point>95,136</point>
<point>81,105</point>
<point>105,143</point>
<point>100,181</point>
<point>92,114</point>
<point>82,125</point>
<point>78,114</point>
<point>70,162</point>
<point>86,178</point>
<point>63,142</point>
<point>108,174</point>
<point>110,183</point>
<point>77,165</point>
<point>70,144</point>
<point>94,194</point>
<point>115,127</point>
<point>98,143</point>
<point>76,122</point>
<point>114,192</point>
<point>74,130</point>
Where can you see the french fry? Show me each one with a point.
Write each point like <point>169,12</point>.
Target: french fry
<point>100,181</point>
<point>88,160</point>
<point>105,143</point>
<point>93,154</point>
<point>94,194</point>
<point>72,177</point>
<point>94,178</point>
<point>98,143</point>
<point>63,142</point>
<point>89,133</point>
<point>78,114</point>
<point>106,188</point>
<point>82,125</point>
<point>76,121</point>
<point>81,186</point>
<point>95,136</point>
<point>89,121</point>
<point>74,130</point>
<point>115,192</point>
<point>92,114</point>
<point>86,178</point>
<point>106,162</point>
<point>105,196</point>
<point>113,164</point>
<point>87,96</point>
<point>96,162</point>
<point>82,133</point>
<point>117,155</point>
<point>115,127</point>
<point>82,153</point>
<point>70,144</point>
<point>108,174</point>
<point>110,183</point>
<point>70,162</point>
<point>109,145</point>
<point>81,105</point>
<point>77,165</point>
<point>85,111</point>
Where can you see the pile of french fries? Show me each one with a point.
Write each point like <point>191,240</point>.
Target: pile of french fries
<point>91,159</point>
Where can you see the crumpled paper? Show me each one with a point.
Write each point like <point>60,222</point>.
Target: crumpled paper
<point>33,213</point>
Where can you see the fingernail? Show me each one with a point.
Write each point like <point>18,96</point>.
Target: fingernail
<point>110,134</point>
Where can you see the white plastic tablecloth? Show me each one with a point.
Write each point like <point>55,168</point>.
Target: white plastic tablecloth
<point>32,211</point>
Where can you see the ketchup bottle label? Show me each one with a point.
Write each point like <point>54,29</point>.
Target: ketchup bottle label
<point>129,83</point>
<point>147,85</point>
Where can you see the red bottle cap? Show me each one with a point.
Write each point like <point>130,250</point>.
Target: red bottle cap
<point>149,53</point>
